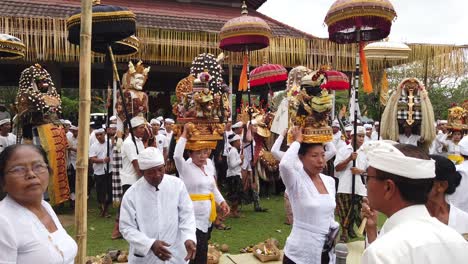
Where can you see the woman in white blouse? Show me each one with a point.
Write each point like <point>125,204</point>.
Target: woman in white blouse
<point>200,182</point>
<point>30,231</point>
<point>446,181</point>
<point>312,197</point>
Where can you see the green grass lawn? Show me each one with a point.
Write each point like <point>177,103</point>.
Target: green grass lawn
<point>249,230</point>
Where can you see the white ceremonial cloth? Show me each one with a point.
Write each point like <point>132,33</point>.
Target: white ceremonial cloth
<point>411,140</point>
<point>197,182</point>
<point>458,220</point>
<point>460,197</point>
<point>234,163</point>
<point>336,138</point>
<point>375,135</point>
<point>99,151</point>
<point>147,215</point>
<point>313,212</point>
<point>330,151</point>
<point>25,240</point>
<point>412,236</point>
<point>345,176</point>
<point>128,175</point>
<point>7,141</point>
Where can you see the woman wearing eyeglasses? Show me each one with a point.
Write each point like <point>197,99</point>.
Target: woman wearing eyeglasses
<point>30,231</point>
<point>199,180</point>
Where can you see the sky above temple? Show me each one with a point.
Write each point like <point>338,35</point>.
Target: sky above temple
<point>418,21</point>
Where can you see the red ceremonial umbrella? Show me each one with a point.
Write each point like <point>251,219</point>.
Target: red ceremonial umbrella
<point>268,74</point>
<point>357,21</point>
<point>336,81</point>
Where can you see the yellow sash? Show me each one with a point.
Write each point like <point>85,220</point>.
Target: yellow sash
<point>457,159</point>
<point>205,197</point>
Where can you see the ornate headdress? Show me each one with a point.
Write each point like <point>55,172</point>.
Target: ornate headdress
<point>201,101</point>
<point>37,92</point>
<point>309,108</point>
<point>458,118</point>
<point>409,105</point>
<point>132,71</point>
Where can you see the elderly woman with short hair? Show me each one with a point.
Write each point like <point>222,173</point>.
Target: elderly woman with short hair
<point>30,231</point>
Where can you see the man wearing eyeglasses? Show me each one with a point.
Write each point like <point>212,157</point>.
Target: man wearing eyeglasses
<point>399,179</point>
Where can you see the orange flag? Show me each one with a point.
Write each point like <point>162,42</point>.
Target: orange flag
<point>243,77</point>
<point>366,79</point>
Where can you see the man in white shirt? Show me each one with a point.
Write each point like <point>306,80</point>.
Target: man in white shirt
<point>159,138</point>
<point>375,133</point>
<point>409,235</point>
<point>368,136</point>
<point>170,145</point>
<point>408,137</point>
<point>336,133</point>
<point>157,217</point>
<point>66,126</point>
<point>71,162</point>
<point>349,209</point>
<point>221,154</point>
<point>130,172</point>
<point>6,138</point>
<point>98,156</point>
<point>233,173</point>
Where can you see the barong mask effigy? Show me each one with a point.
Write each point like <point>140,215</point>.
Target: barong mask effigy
<point>410,106</point>
<point>37,101</point>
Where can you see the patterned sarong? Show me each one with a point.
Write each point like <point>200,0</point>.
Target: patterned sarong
<point>116,183</point>
<point>53,140</point>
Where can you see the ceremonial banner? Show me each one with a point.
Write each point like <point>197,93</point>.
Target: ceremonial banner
<point>280,123</point>
<point>54,141</point>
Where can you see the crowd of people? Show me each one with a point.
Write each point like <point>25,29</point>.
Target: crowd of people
<point>171,196</point>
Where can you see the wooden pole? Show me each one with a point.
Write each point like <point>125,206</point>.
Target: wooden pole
<point>81,217</point>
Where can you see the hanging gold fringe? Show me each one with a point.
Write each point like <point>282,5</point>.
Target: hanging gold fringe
<point>46,40</point>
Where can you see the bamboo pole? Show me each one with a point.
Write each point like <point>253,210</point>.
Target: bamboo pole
<point>81,217</point>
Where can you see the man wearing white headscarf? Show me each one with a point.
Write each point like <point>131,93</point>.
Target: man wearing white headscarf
<point>156,216</point>
<point>399,179</point>
<point>348,207</point>
<point>159,138</point>
<point>130,172</point>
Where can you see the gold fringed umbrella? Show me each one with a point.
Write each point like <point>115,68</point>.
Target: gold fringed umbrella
<point>359,21</point>
<point>11,48</point>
